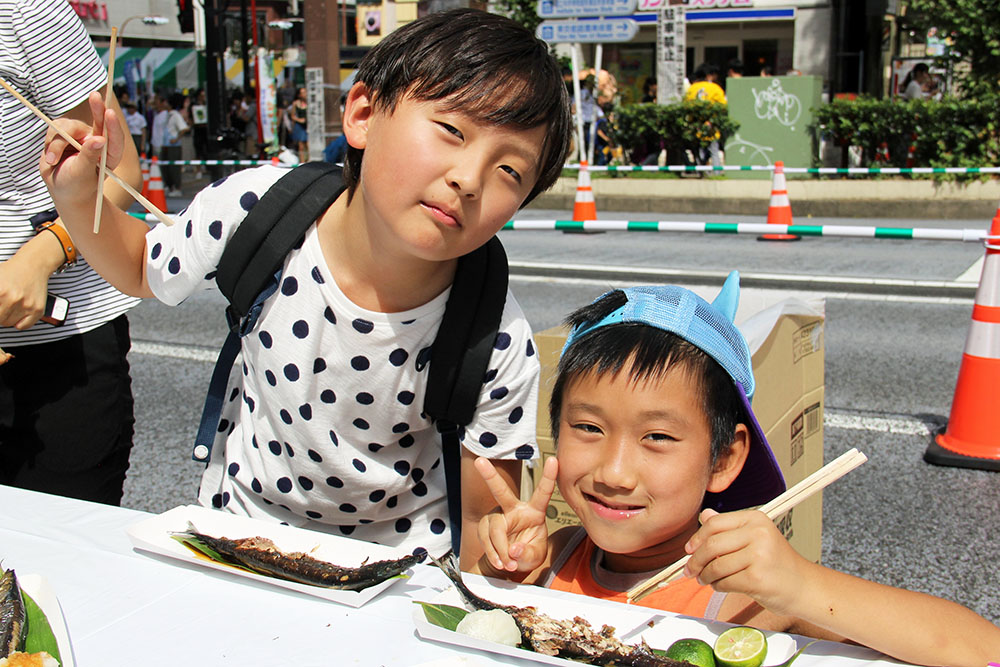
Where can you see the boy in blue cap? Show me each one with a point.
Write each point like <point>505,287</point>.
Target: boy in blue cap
<point>659,455</point>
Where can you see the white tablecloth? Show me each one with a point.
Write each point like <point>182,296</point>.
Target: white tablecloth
<point>126,607</point>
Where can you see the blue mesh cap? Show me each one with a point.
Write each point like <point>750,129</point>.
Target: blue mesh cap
<point>710,328</point>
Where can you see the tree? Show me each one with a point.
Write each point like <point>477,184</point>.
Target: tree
<point>974,29</point>
<point>522,11</point>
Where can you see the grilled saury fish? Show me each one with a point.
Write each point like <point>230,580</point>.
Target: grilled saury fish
<point>259,554</point>
<point>574,639</point>
<point>13,618</point>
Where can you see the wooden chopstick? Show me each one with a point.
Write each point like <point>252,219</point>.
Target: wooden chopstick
<point>815,482</point>
<point>104,152</point>
<point>149,206</point>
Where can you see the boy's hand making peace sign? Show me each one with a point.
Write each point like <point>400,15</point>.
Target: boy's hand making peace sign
<point>515,538</point>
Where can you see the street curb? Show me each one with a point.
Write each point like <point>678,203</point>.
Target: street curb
<point>841,198</point>
<point>883,286</point>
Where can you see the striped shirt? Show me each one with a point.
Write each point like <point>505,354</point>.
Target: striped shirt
<point>47,56</point>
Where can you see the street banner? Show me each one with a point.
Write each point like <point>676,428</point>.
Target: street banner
<point>315,112</point>
<point>671,55</point>
<point>267,95</point>
<point>573,8</point>
<point>587,31</point>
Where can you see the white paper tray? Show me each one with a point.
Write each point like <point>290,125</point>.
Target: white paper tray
<point>154,535</point>
<point>37,587</point>
<point>631,623</point>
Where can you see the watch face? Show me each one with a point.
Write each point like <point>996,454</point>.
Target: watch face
<point>39,219</point>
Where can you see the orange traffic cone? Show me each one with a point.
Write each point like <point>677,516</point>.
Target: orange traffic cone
<point>145,175</point>
<point>779,212</point>
<point>584,207</point>
<point>156,196</point>
<point>971,439</point>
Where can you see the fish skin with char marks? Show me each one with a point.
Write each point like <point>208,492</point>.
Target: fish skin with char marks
<point>13,617</point>
<point>261,555</point>
<point>574,639</point>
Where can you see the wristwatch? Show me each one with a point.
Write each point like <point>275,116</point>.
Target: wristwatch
<point>46,220</point>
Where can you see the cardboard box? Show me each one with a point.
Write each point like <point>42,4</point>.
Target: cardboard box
<point>786,345</point>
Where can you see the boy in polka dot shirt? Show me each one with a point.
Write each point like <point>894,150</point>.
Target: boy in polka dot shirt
<point>456,120</point>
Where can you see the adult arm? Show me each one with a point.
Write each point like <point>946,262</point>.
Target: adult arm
<point>24,277</point>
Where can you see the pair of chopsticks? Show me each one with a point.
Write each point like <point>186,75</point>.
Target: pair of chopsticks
<point>149,206</point>
<point>812,484</point>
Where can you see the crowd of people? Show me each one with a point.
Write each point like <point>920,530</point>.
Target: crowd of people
<point>159,123</point>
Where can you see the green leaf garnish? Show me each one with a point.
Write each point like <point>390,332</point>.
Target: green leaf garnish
<point>40,636</point>
<point>202,549</point>
<point>443,615</point>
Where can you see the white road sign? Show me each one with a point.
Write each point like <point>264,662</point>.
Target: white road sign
<point>587,31</point>
<point>570,8</point>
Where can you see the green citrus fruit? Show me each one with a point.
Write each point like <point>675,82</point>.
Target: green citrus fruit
<point>694,651</point>
<point>741,647</point>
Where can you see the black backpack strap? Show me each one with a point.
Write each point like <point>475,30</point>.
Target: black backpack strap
<point>460,357</point>
<point>250,269</point>
<point>272,228</point>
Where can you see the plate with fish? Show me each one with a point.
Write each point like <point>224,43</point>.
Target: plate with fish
<point>570,630</point>
<point>31,620</point>
<point>331,567</point>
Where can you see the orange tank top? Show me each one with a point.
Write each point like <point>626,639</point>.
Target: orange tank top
<point>684,596</point>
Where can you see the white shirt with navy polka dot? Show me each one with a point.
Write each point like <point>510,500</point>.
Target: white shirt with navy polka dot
<point>322,425</point>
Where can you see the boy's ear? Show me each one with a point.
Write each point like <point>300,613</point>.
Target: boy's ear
<point>358,110</point>
<point>729,466</point>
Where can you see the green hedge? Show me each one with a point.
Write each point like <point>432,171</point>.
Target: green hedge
<point>946,133</point>
<point>674,126</point>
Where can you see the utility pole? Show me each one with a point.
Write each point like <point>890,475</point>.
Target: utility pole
<point>215,80</point>
<point>322,31</point>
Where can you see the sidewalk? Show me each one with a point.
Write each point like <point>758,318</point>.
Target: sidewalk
<point>828,197</point>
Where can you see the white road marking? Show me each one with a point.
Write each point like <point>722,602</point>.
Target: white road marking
<point>972,273</point>
<point>850,420</point>
<point>186,352</point>
<point>852,296</point>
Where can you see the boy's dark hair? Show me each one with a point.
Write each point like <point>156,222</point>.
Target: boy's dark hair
<point>646,353</point>
<point>482,64</point>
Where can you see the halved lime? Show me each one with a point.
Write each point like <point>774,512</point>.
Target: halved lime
<point>694,651</point>
<point>741,647</point>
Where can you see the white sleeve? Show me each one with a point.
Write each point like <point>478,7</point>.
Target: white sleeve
<point>63,65</point>
<point>182,258</point>
<point>504,424</point>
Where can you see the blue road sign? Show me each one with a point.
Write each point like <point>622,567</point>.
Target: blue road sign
<point>593,31</point>
<point>571,8</point>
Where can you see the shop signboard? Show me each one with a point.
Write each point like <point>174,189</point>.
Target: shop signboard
<point>776,121</point>
<point>591,31</point>
<point>548,9</point>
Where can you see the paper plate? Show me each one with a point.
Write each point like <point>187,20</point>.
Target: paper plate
<point>38,589</point>
<point>154,535</point>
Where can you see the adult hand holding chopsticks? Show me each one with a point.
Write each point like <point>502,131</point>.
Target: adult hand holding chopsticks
<point>71,175</point>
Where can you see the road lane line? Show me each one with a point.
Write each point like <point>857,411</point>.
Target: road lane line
<point>850,420</point>
<point>850,296</point>
<point>185,352</point>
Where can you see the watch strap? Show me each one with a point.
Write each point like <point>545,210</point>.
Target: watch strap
<point>69,248</point>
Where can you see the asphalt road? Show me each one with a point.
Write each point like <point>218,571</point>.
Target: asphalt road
<point>892,359</point>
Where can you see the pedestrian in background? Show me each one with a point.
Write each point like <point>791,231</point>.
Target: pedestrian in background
<point>174,128</point>
<point>136,126</point>
<point>706,88</point>
<point>66,408</point>
<point>300,134</point>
